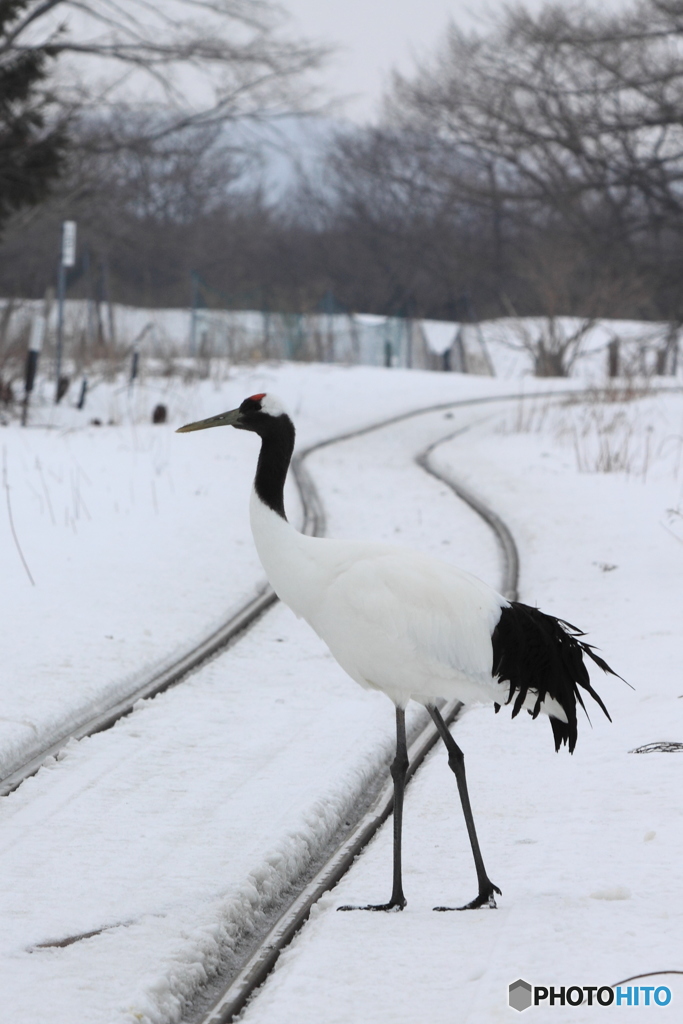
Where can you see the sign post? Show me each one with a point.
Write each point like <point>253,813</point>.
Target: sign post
<point>68,259</point>
<point>35,344</point>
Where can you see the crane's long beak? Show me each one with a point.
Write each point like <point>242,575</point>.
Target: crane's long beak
<point>224,419</point>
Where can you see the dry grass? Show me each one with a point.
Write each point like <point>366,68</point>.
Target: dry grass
<point>611,440</point>
<point>611,429</point>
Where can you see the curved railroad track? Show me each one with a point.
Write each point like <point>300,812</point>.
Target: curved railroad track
<point>238,989</point>
<point>161,679</point>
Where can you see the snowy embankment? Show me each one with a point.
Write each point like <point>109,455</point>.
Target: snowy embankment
<point>504,346</point>
<point>162,837</point>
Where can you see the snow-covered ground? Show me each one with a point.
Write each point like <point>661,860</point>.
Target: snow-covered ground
<point>191,815</point>
<point>587,848</point>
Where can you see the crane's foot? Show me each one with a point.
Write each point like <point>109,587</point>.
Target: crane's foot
<point>392,907</point>
<point>486,898</point>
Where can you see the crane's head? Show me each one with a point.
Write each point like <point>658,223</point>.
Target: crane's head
<point>257,413</point>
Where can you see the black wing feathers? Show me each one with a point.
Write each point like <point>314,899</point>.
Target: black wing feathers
<point>540,654</point>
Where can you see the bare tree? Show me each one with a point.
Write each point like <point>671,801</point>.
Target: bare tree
<point>390,239</point>
<point>193,62</point>
<point>146,90</point>
<point>541,163</point>
<point>571,109</point>
<point>147,215</point>
<point>32,135</point>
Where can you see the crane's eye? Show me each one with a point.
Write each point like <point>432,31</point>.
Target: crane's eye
<point>252,404</point>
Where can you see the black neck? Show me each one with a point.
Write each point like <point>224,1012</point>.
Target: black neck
<point>277,445</point>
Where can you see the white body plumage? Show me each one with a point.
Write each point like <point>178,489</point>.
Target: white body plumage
<point>396,620</point>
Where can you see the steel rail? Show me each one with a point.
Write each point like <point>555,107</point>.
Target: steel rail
<point>160,680</point>
<point>259,965</point>
<point>262,961</point>
<point>508,549</point>
<point>164,678</point>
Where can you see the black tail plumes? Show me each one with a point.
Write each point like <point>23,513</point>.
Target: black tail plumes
<point>541,655</point>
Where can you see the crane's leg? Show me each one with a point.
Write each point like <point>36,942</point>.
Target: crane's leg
<point>456,762</point>
<point>399,768</point>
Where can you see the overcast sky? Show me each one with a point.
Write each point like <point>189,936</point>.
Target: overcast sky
<point>374,36</point>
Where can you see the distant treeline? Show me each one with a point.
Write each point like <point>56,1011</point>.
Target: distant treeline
<point>536,169</point>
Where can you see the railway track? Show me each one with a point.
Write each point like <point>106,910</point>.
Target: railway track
<point>169,675</point>
<point>262,959</point>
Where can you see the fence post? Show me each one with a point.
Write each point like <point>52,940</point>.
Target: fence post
<point>613,358</point>
<point>193,314</point>
<point>32,356</point>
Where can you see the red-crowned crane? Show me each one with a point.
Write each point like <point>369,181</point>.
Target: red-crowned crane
<point>410,625</point>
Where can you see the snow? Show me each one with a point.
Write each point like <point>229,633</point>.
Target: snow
<point>175,832</point>
<point>440,336</point>
<point>508,341</point>
<point>584,848</point>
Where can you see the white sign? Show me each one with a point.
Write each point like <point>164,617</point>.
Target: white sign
<point>68,243</point>
<point>37,333</point>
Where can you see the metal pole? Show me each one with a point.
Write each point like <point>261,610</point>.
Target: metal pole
<point>61,288</point>
<point>135,353</point>
<point>67,259</point>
